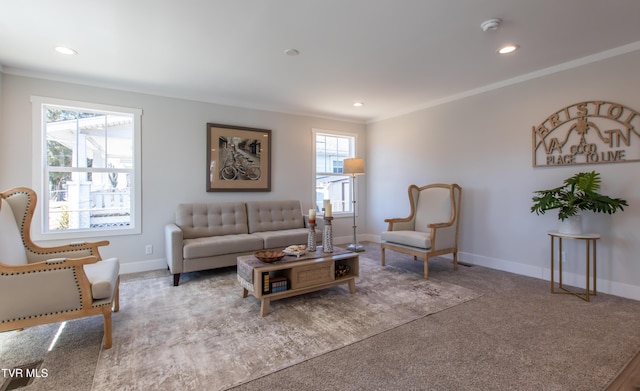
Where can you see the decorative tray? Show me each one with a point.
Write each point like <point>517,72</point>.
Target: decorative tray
<point>296,250</point>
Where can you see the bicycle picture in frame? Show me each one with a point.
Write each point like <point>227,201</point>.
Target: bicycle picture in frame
<point>238,158</point>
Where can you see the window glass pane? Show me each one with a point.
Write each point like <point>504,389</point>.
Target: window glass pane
<point>334,188</point>
<point>90,169</point>
<point>76,204</point>
<point>331,150</point>
<point>119,141</point>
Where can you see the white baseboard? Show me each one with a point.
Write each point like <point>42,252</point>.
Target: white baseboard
<point>571,279</point>
<point>544,273</point>
<point>143,266</point>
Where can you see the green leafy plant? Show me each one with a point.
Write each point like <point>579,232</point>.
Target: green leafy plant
<point>579,192</point>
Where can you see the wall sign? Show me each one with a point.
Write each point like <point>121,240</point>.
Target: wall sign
<point>593,132</point>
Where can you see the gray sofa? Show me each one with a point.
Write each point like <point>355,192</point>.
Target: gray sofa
<point>212,235</point>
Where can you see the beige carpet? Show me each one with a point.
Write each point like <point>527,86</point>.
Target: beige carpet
<point>203,335</point>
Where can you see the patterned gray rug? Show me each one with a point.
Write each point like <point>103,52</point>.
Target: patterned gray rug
<point>203,335</point>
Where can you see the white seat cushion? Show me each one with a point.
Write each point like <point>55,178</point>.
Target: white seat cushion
<point>408,238</point>
<point>103,276</point>
<point>11,247</point>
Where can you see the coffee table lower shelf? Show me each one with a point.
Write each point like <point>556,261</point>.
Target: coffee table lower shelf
<point>302,276</point>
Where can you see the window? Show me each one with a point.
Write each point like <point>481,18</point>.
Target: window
<point>331,148</point>
<point>87,169</point>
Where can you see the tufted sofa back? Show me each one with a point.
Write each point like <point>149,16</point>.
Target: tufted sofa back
<point>212,219</point>
<point>274,215</point>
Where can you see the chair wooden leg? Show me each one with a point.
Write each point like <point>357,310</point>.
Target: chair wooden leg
<point>116,297</point>
<point>106,312</point>
<point>455,261</point>
<point>382,257</point>
<point>426,267</point>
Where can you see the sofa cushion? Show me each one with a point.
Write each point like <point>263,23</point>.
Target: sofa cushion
<point>220,245</point>
<point>274,215</point>
<point>283,238</point>
<point>212,219</point>
<point>408,238</point>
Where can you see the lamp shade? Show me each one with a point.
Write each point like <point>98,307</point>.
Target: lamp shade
<point>353,166</point>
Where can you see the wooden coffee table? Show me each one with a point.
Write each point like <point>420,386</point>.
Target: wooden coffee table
<point>292,276</point>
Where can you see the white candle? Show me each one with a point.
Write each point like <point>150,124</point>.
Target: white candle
<point>327,211</point>
<point>326,203</point>
<point>312,216</point>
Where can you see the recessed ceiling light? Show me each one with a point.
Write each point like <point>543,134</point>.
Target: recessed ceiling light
<point>65,50</point>
<point>291,52</point>
<point>358,104</point>
<point>508,49</point>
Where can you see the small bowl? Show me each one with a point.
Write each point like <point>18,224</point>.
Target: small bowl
<point>269,256</point>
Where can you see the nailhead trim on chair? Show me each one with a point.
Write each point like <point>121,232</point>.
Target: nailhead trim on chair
<point>24,217</point>
<point>75,277</point>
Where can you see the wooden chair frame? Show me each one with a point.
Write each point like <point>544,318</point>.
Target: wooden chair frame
<point>436,248</point>
<point>55,258</point>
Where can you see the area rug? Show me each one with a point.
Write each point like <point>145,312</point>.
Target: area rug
<point>68,352</point>
<point>204,335</point>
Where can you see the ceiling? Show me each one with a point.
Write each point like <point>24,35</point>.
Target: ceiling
<point>396,56</point>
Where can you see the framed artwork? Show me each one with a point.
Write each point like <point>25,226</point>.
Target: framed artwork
<point>238,158</point>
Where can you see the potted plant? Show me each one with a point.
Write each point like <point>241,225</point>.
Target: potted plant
<point>579,192</point>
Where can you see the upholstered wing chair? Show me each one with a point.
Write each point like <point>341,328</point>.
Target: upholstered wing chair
<point>432,227</point>
<point>41,285</point>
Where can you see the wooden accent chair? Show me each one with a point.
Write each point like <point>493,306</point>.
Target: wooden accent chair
<point>41,285</point>
<point>432,227</point>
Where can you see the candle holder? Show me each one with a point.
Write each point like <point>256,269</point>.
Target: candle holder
<point>311,238</point>
<point>327,237</point>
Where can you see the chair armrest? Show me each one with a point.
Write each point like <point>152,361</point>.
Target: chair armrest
<point>37,253</point>
<point>44,289</point>
<point>400,222</point>
<point>49,264</point>
<point>443,235</point>
<point>173,241</point>
<point>440,225</point>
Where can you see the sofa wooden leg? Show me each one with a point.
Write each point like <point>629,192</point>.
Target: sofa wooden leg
<point>426,268</point>
<point>382,257</point>
<point>176,279</point>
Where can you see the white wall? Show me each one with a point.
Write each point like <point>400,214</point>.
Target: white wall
<point>483,143</point>
<point>173,155</point>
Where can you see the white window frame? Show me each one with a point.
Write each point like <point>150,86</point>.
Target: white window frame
<point>354,146</point>
<point>40,177</point>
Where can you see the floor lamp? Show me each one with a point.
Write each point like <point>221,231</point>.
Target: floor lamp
<point>353,167</point>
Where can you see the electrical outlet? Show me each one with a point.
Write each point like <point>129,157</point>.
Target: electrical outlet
<point>148,249</point>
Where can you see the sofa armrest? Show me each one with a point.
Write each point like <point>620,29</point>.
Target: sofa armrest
<point>173,239</point>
